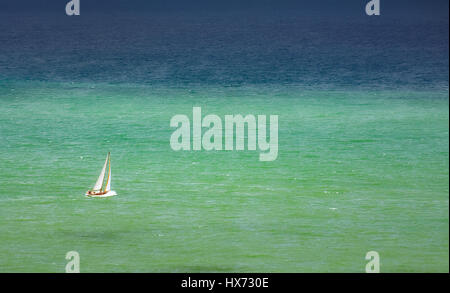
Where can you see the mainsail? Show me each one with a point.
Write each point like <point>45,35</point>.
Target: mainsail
<point>99,183</point>
<point>108,181</point>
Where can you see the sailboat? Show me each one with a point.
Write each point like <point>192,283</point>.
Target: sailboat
<point>100,189</point>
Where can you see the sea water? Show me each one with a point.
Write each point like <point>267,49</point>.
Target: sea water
<point>362,159</point>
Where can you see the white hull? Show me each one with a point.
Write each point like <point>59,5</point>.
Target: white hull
<point>108,194</point>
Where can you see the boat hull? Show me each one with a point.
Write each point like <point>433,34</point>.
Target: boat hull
<point>106,194</point>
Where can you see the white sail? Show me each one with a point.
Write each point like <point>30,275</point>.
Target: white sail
<point>99,183</point>
<point>108,181</point>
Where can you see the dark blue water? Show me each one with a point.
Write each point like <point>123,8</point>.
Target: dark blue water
<point>228,49</point>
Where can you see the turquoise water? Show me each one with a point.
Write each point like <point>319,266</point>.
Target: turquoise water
<point>356,171</point>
